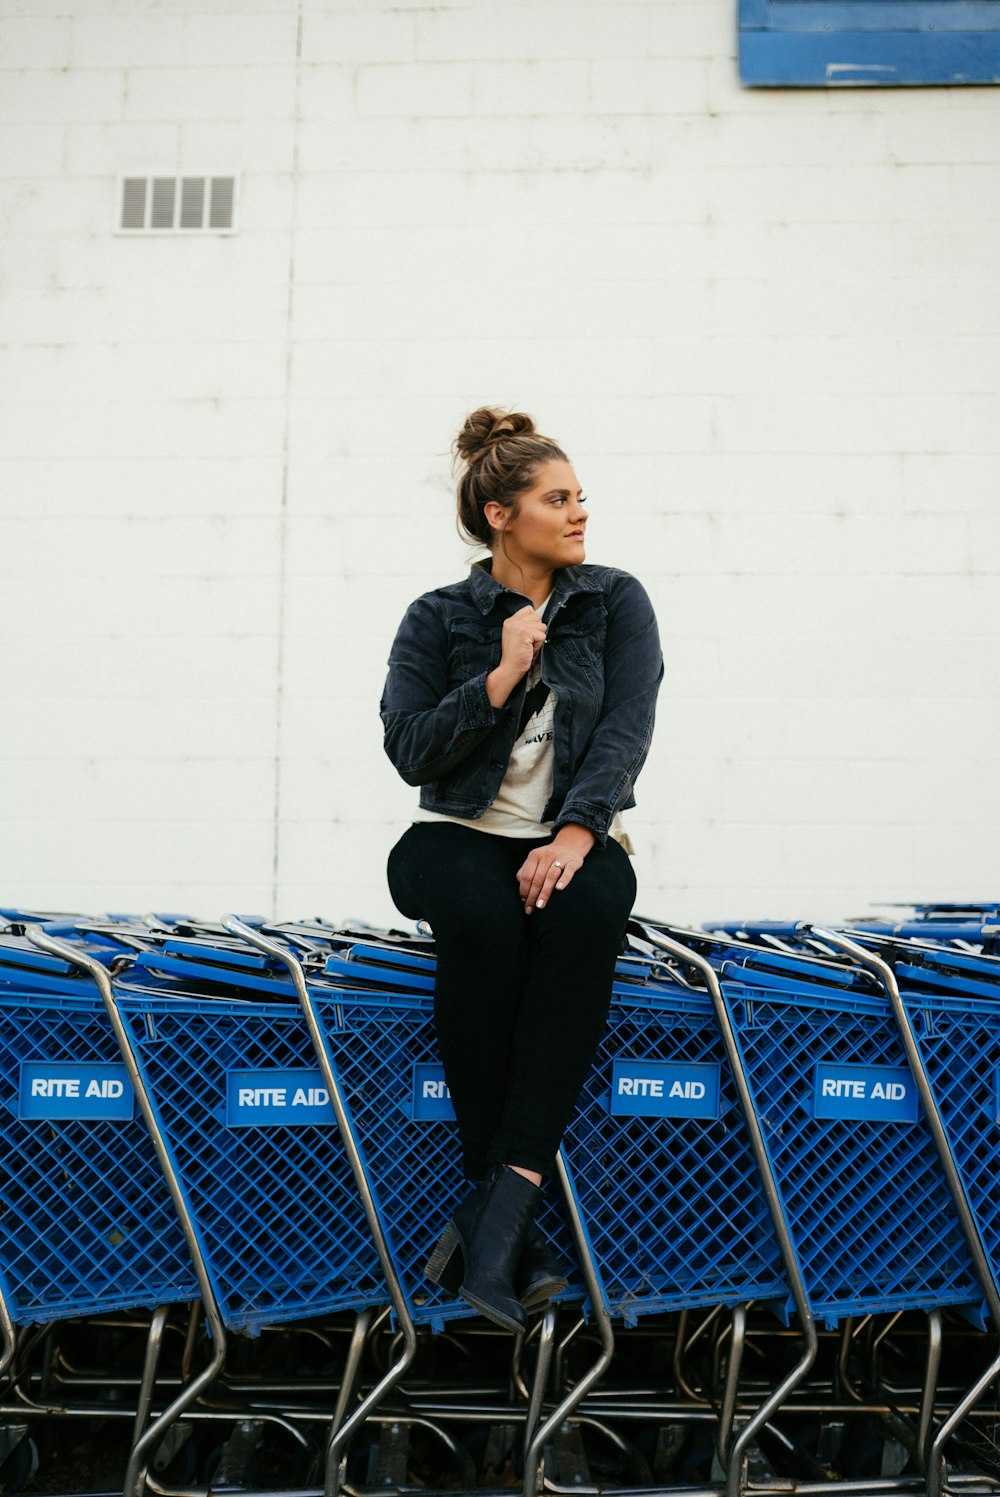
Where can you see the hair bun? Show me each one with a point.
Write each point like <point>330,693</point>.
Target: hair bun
<point>486,427</point>
<point>497,453</point>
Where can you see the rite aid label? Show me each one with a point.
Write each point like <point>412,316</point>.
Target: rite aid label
<point>273,1099</point>
<point>84,1091</point>
<point>664,1089</point>
<point>885,1094</point>
<point>431,1101</point>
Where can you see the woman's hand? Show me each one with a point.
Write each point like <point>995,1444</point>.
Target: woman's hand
<point>523,635</point>
<point>553,866</point>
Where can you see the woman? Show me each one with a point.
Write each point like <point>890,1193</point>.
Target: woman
<point>521,702</point>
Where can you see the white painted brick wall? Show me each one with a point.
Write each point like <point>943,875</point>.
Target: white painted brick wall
<point>765,324</point>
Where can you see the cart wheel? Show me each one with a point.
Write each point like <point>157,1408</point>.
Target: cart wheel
<point>19,1467</point>
<point>180,1467</point>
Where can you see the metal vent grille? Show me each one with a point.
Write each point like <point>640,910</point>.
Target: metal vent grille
<point>168,205</point>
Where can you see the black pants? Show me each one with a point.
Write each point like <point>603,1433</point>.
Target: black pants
<point>520,1001</point>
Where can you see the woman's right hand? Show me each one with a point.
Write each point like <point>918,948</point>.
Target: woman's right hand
<point>523,636</point>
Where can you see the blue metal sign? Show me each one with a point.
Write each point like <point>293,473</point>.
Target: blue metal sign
<point>823,43</point>
<point>431,1101</point>
<point>277,1099</point>
<point>86,1091</point>
<point>886,1094</point>
<point>664,1089</point>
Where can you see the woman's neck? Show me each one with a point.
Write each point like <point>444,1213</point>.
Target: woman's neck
<point>536,585</point>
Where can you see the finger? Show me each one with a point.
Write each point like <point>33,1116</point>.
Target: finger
<point>525,875</point>
<point>566,876</point>
<point>554,874</point>
<point>538,873</point>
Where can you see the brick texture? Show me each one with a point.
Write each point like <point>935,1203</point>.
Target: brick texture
<point>766,326</point>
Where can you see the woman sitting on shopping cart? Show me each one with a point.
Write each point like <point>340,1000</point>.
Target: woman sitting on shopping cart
<point>521,702</point>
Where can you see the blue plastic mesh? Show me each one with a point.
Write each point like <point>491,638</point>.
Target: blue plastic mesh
<point>866,1202</point>
<point>674,1207</point>
<point>959,1043</point>
<point>277,1211</point>
<point>86,1222</point>
<point>415,1167</point>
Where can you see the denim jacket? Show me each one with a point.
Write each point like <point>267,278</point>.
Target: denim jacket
<point>601,658</point>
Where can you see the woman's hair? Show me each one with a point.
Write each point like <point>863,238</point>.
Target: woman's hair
<point>501,451</point>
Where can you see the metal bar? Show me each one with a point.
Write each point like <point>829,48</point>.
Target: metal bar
<point>136,1473</point>
<point>875,1347</point>
<point>349,1377</point>
<point>543,1361</point>
<point>935,1339</point>
<point>677,1357</point>
<point>331,1080</point>
<point>727,1410</point>
<point>598,1300</point>
<point>936,1470</point>
<point>683,1348</point>
<point>8,1336</point>
<point>562,1346</point>
<point>517,1357</point>
<point>850,1329</point>
<point>154,1342</point>
<point>772,1195</point>
<point>190,1338</point>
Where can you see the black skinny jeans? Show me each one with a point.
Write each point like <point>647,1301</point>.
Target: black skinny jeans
<point>520,1001</point>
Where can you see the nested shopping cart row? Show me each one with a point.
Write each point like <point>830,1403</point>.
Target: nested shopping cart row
<point>276,1137</point>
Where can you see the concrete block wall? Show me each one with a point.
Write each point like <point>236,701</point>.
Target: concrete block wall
<point>766,326</point>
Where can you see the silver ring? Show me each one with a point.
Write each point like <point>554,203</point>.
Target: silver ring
<point>557,865</point>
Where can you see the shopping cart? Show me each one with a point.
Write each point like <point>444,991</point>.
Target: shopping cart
<point>860,1184</point>
<point>971,927</point>
<point>87,1227</point>
<point>679,1214</point>
<point>946,1006</point>
<point>249,1143</point>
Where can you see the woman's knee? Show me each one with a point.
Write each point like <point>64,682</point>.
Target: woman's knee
<point>601,894</point>
<point>460,883</point>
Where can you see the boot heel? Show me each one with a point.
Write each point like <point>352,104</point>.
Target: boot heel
<point>445,1266</point>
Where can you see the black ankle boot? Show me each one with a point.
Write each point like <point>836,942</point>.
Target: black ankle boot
<point>446,1265</point>
<point>539,1276</point>
<point>489,1228</point>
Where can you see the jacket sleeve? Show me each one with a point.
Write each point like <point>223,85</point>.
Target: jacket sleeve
<point>633,670</point>
<point>429,729</point>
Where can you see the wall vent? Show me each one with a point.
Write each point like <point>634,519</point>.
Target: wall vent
<point>177,205</point>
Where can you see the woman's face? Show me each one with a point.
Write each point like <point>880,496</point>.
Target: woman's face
<point>546,530</point>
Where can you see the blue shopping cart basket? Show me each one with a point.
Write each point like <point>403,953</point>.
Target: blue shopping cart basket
<point>662,1167</point>
<point>87,1223</point>
<point>866,1201</point>
<point>248,1127</point>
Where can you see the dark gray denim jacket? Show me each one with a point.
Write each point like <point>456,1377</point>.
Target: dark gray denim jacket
<point>601,658</point>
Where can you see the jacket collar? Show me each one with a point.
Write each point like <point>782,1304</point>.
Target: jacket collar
<point>567,580</point>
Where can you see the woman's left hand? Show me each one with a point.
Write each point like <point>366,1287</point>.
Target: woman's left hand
<point>552,867</point>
